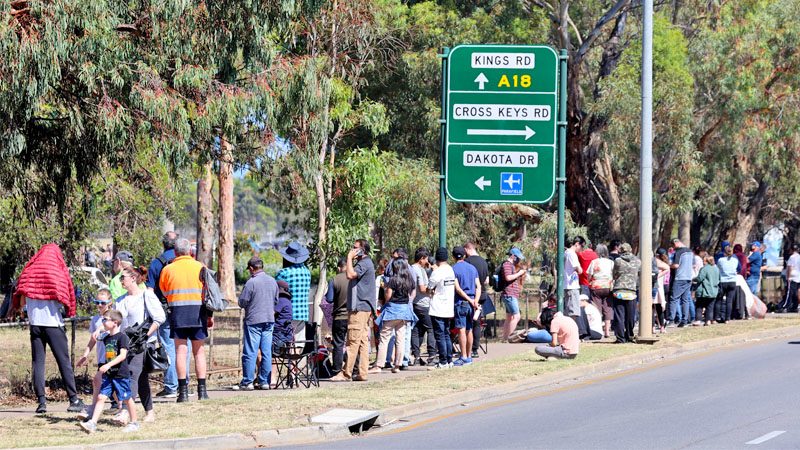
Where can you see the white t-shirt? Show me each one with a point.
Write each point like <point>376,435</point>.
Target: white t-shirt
<point>794,263</point>
<point>570,275</point>
<point>595,318</point>
<point>443,283</point>
<point>601,273</point>
<point>94,325</point>
<point>44,313</point>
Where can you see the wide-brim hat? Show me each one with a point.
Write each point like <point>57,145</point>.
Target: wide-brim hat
<point>295,253</point>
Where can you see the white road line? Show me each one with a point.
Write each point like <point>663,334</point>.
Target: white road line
<point>765,437</point>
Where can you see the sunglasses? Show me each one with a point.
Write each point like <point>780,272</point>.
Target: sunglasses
<point>96,302</point>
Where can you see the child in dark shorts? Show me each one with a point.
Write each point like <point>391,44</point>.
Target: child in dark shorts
<point>115,372</point>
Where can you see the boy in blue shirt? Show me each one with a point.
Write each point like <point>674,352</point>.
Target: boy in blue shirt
<point>116,373</point>
<point>468,292</point>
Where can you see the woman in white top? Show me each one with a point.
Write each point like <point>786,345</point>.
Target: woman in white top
<point>601,281</point>
<point>660,299</point>
<point>136,308</point>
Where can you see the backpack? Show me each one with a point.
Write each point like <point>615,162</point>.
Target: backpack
<point>212,297</point>
<point>498,281</point>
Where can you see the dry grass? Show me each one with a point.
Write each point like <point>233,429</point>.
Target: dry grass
<point>287,408</point>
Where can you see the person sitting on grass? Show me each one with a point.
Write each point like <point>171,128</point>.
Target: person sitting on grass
<point>539,334</point>
<point>115,374</point>
<point>565,343</point>
<point>103,302</point>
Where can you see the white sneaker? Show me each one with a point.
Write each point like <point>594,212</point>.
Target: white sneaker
<point>86,414</point>
<point>131,427</point>
<point>122,417</point>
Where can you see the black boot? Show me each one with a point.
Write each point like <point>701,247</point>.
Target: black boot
<point>202,393</point>
<point>183,394</point>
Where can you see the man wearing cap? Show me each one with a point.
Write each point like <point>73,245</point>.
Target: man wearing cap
<point>442,283</point>
<point>298,277</point>
<point>153,275</point>
<point>683,263</point>
<point>121,260</point>
<point>512,288</point>
<point>361,300</point>
<point>258,299</point>
<point>468,292</point>
<point>755,260</point>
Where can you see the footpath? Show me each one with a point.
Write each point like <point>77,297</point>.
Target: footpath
<point>562,374</point>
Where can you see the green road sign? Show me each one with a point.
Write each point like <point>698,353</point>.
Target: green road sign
<point>501,123</point>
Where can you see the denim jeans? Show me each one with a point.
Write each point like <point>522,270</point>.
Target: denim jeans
<point>444,345</point>
<point>679,301</point>
<point>752,283</point>
<point>257,337</point>
<point>539,337</point>
<point>171,375</point>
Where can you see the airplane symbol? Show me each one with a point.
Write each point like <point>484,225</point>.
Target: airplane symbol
<point>511,181</point>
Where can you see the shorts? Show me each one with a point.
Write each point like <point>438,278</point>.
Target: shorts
<point>463,315</point>
<point>192,334</point>
<point>122,387</point>
<point>572,302</point>
<point>511,304</point>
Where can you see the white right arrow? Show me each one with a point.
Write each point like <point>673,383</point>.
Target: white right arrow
<point>481,80</point>
<point>527,132</point>
<point>481,183</point>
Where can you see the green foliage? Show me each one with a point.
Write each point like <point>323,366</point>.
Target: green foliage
<point>677,167</point>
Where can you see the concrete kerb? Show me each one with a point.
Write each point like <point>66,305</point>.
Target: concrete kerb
<point>316,433</point>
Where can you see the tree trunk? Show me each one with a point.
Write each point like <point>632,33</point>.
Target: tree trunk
<point>667,232</point>
<point>685,228</point>
<point>747,217</point>
<point>205,216</point>
<point>606,175</point>
<point>227,279</point>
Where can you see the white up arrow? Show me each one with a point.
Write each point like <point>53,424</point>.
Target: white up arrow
<point>481,80</point>
<point>527,132</point>
<point>481,183</point>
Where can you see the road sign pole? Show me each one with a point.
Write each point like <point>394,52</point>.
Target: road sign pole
<point>562,171</point>
<point>442,168</point>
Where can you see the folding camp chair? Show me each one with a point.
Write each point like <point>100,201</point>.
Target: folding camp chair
<point>295,362</point>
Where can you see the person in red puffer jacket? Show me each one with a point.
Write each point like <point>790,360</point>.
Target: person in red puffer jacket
<point>45,290</point>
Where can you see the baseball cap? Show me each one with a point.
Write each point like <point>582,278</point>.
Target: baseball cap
<point>756,244</point>
<point>516,252</point>
<point>459,252</point>
<point>124,256</point>
<point>625,248</point>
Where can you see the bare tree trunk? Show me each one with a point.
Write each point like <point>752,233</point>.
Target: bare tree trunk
<point>747,217</point>
<point>606,174</point>
<point>685,227</point>
<point>227,280</point>
<point>205,216</point>
<point>667,231</point>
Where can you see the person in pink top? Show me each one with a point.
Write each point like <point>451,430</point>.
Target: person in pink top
<point>566,342</point>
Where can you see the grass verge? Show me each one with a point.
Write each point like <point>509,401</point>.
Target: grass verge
<point>281,409</point>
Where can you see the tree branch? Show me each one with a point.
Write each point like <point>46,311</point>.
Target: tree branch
<point>610,15</point>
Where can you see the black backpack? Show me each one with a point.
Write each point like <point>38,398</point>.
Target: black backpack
<point>498,281</point>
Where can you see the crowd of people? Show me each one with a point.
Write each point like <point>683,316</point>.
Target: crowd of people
<point>396,306</point>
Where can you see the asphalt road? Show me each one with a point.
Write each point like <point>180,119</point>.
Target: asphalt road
<point>747,397</point>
